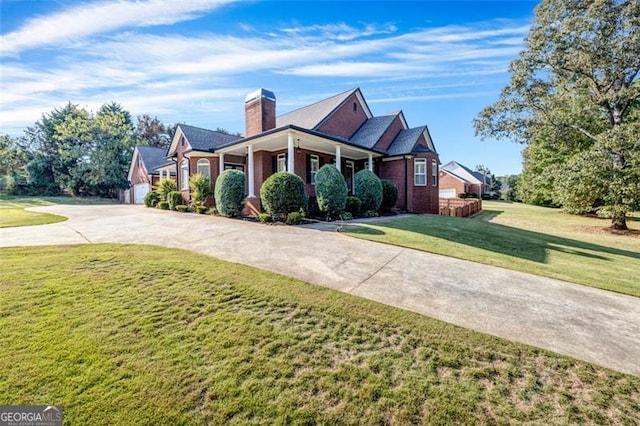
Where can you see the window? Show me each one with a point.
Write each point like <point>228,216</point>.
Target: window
<point>203,167</point>
<point>231,166</point>
<point>355,107</point>
<point>420,172</point>
<point>282,163</point>
<point>434,172</point>
<point>349,177</point>
<point>314,166</point>
<point>184,174</point>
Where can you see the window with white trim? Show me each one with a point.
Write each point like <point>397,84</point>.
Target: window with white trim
<point>184,174</point>
<point>314,166</point>
<point>420,172</point>
<point>204,168</point>
<point>434,172</point>
<point>282,163</point>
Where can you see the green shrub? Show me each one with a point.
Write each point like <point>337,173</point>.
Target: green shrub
<point>353,205</point>
<point>370,213</point>
<point>283,193</point>
<point>151,199</point>
<point>212,211</point>
<point>346,216</point>
<point>331,190</point>
<point>230,193</point>
<point>264,217</point>
<point>200,187</point>
<point>389,195</point>
<point>294,218</point>
<point>174,198</point>
<point>369,189</point>
<point>163,205</point>
<point>201,209</point>
<point>182,208</point>
<point>165,186</point>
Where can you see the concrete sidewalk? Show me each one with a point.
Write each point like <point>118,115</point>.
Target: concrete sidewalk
<point>582,322</point>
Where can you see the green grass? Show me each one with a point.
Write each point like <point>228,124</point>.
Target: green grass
<point>526,238</point>
<point>147,335</point>
<point>13,213</point>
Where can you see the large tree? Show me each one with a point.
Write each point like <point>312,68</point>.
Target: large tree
<point>575,85</point>
<point>152,131</point>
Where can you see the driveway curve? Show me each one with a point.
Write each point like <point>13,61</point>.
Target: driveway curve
<point>586,323</point>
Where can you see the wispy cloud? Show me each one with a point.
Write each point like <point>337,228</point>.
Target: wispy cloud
<point>95,18</point>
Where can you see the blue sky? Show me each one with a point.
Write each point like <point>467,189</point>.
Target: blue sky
<point>194,61</point>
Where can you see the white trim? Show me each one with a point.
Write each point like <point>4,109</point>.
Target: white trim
<point>201,163</point>
<point>417,161</point>
<point>290,153</point>
<point>434,172</point>
<point>403,120</point>
<point>175,140</point>
<point>398,157</point>
<point>350,164</point>
<point>250,170</point>
<point>313,158</point>
<point>184,183</point>
<point>281,157</point>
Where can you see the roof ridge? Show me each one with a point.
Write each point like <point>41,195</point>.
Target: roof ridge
<point>321,100</point>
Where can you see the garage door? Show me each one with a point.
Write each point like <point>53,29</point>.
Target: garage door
<point>139,191</point>
<point>448,193</point>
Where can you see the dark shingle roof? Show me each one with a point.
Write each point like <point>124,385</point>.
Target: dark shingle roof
<point>206,140</point>
<point>371,131</point>
<point>310,116</point>
<point>406,141</point>
<point>152,157</point>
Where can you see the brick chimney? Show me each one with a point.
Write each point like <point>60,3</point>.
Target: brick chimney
<point>260,112</point>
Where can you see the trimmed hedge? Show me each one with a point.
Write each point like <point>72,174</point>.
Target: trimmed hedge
<point>229,193</point>
<point>283,193</point>
<point>389,195</point>
<point>369,189</point>
<point>331,190</point>
<point>353,205</point>
<point>151,199</point>
<point>162,205</point>
<point>174,198</point>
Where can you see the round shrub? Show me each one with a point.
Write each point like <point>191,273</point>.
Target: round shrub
<point>389,195</point>
<point>369,189</point>
<point>353,205</point>
<point>162,205</point>
<point>331,190</point>
<point>151,199</point>
<point>174,198</point>
<point>165,186</point>
<point>283,193</point>
<point>229,193</point>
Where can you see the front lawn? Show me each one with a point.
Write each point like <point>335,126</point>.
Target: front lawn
<point>147,335</point>
<point>13,213</point>
<point>525,238</point>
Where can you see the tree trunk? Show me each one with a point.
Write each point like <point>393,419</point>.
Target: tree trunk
<point>619,220</point>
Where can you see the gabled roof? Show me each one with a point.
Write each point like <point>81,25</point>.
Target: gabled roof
<point>453,175</point>
<point>152,157</point>
<point>372,130</point>
<point>405,142</point>
<point>311,116</point>
<point>462,171</point>
<point>205,140</point>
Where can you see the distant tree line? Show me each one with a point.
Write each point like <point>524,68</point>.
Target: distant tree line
<point>73,151</point>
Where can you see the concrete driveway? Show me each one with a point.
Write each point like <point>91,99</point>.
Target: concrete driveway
<point>582,322</point>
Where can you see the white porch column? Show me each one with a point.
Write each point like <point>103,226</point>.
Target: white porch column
<point>290,154</point>
<point>221,163</point>
<point>338,158</point>
<point>370,162</point>
<point>250,170</point>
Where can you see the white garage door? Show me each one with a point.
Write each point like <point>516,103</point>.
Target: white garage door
<point>139,191</point>
<point>448,193</point>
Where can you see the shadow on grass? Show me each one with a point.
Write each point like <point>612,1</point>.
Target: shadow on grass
<point>490,236</point>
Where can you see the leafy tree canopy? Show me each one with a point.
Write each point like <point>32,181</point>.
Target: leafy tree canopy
<point>573,97</point>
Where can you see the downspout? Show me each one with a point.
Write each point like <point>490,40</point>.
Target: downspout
<point>406,185</point>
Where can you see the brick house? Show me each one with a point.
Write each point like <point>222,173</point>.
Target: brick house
<point>148,165</point>
<point>338,130</point>
<point>456,179</point>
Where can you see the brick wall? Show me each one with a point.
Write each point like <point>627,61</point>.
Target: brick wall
<point>345,120</point>
<point>389,135</point>
<point>449,182</point>
<point>260,116</point>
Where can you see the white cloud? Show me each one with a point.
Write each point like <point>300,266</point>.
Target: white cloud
<point>79,22</point>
